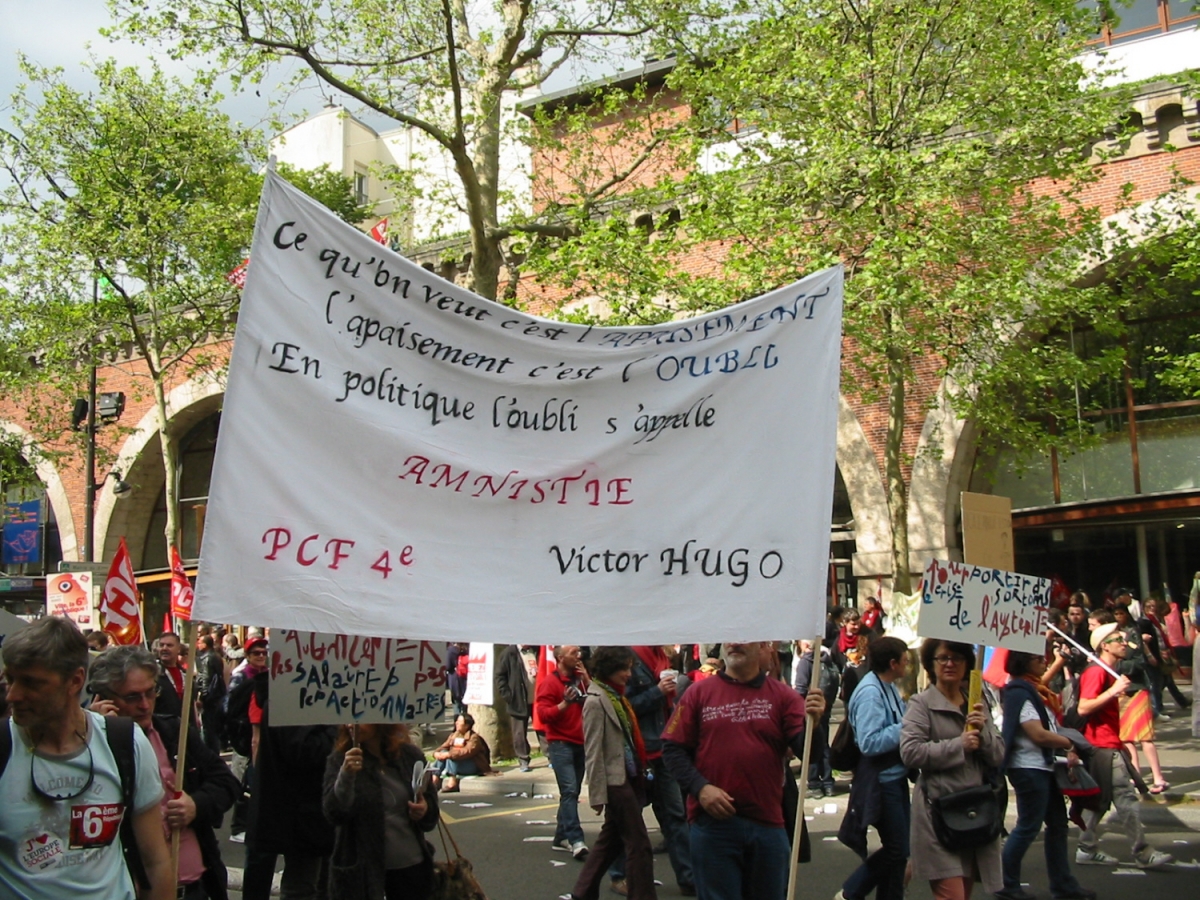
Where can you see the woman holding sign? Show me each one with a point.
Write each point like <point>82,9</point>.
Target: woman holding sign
<point>379,847</point>
<point>955,749</point>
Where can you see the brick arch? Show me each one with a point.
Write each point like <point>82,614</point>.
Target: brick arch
<point>56,493</point>
<point>140,461</point>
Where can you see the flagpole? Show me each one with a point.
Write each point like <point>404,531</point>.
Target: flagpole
<point>185,721</point>
<point>810,726</point>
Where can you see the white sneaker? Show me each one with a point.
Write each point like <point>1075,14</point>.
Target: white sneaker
<point>239,838</point>
<point>1149,858</point>
<point>561,844</point>
<point>1094,858</point>
<point>579,850</point>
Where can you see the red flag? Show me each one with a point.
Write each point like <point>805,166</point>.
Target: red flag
<point>379,232</point>
<point>546,665</point>
<point>237,275</point>
<point>119,603</point>
<point>994,673</point>
<point>182,594</point>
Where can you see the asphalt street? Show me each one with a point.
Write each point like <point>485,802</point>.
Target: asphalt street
<point>504,825</point>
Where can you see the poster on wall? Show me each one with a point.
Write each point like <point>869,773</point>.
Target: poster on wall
<point>69,594</point>
<point>333,679</point>
<point>978,605</point>
<point>22,536</point>
<point>399,456</point>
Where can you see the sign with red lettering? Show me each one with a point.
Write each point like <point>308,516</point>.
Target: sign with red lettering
<point>95,825</point>
<point>977,605</point>
<point>401,457</point>
<point>333,679</point>
<point>480,675</point>
<point>69,594</point>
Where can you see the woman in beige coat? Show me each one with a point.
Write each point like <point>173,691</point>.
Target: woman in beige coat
<point>934,740</point>
<point>616,761</point>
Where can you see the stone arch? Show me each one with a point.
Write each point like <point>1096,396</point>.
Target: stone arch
<point>140,461</point>
<point>868,501</point>
<point>56,493</point>
<point>948,445</point>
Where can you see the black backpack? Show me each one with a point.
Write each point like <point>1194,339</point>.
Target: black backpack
<point>119,732</point>
<point>235,727</point>
<point>1071,717</point>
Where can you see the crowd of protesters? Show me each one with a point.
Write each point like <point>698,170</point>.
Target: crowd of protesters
<point>702,734</point>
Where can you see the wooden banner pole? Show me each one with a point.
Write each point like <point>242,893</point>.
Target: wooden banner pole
<point>188,637</point>
<point>809,727</point>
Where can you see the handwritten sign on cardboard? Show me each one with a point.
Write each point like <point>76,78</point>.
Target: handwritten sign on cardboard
<point>976,605</point>
<point>332,679</point>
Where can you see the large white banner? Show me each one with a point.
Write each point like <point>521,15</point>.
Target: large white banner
<point>399,457</point>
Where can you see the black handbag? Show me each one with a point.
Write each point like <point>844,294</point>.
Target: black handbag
<point>968,818</point>
<point>844,754</point>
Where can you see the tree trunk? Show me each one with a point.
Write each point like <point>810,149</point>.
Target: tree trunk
<point>170,467</point>
<point>897,493</point>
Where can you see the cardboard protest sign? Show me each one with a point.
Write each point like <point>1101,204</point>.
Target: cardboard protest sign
<point>330,679</point>
<point>9,624</point>
<point>480,677</point>
<point>401,457</point>
<point>976,605</point>
<point>69,594</point>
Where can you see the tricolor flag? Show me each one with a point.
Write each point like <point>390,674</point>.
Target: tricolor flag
<point>182,594</point>
<point>119,614</point>
<point>379,231</point>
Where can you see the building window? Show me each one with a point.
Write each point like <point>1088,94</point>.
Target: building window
<point>360,187</point>
<point>1120,21</point>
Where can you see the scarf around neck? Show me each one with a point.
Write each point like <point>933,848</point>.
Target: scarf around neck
<point>635,747</point>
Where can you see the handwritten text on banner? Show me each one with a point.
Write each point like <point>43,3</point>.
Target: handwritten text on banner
<point>976,605</point>
<point>327,679</point>
<point>401,457</point>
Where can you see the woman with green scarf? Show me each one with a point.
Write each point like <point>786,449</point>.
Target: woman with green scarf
<point>615,766</point>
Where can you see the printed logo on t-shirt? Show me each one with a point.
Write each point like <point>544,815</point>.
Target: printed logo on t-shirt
<point>95,825</point>
<point>41,852</point>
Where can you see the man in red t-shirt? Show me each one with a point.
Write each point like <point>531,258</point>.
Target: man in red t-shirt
<point>559,702</point>
<point>726,745</point>
<point>1100,701</point>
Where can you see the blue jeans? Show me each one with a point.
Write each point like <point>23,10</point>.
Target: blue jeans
<point>452,768</point>
<point>737,858</point>
<point>883,870</point>
<point>667,802</point>
<point>1038,801</point>
<point>567,760</point>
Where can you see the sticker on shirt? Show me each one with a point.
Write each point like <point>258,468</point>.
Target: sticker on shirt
<point>95,825</point>
<point>41,852</point>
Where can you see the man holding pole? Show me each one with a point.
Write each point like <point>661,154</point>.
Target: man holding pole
<point>726,745</point>
<point>124,682</point>
<point>1100,692</point>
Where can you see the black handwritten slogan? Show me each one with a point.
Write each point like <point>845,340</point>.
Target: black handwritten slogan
<point>401,457</point>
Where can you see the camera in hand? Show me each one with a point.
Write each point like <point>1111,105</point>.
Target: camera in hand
<point>573,694</point>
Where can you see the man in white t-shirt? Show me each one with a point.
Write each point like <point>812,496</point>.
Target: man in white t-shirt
<point>61,801</point>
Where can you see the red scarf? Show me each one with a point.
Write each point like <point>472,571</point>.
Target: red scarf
<point>655,659</point>
<point>846,640</point>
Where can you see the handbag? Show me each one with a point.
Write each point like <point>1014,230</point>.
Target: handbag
<point>968,818</point>
<point>455,878</point>
<point>1076,782</point>
<point>844,754</point>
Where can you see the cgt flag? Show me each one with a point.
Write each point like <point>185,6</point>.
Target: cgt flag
<point>182,594</point>
<point>119,614</point>
<point>379,233</point>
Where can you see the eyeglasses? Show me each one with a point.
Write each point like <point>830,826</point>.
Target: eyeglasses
<point>259,652</point>
<point>949,660</point>
<point>59,779</point>
<point>135,698</point>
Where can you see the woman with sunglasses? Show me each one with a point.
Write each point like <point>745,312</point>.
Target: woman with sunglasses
<point>954,748</point>
<point>379,850</point>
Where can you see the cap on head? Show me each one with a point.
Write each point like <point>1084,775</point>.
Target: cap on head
<point>255,642</point>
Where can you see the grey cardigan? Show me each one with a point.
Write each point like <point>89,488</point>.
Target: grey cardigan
<point>931,741</point>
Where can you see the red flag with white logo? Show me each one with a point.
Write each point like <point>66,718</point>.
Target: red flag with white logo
<point>379,232</point>
<point>119,614</point>
<point>182,594</point>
